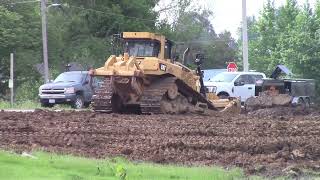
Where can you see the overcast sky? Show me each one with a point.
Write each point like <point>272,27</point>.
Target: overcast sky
<point>228,13</point>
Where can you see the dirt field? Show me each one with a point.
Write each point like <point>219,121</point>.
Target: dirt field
<point>269,142</point>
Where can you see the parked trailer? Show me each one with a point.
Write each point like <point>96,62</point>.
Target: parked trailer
<point>274,91</point>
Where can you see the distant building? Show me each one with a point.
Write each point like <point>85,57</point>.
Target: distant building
<point>210,73</point>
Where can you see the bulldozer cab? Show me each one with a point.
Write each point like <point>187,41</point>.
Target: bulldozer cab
<point>145,44</point>
<point>142,48</point>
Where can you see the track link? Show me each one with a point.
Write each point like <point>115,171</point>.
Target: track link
<point>101,100</point>
<point>154,99</point>
<point>152,96</point>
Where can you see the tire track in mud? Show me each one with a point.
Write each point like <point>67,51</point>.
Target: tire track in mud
<point>244,140</point>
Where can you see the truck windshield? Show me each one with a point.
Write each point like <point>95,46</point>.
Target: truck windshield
<point>69,77</point>
<point>142,48</point>
<point>223,77</point>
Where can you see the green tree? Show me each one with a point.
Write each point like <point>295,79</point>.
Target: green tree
<point>79,32</point>
<point>191,28</point>
<point>286,35</point>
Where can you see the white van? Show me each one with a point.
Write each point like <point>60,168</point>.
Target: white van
<point>234,84</point>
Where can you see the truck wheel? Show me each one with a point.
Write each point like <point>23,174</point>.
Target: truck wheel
<point>78,102</point>
<point>47,105</point>
<point>307,103</point>
<point>87,104</point>
<point>223,96</point>
<point>301,104</point>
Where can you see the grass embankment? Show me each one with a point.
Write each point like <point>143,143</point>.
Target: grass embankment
<point>20,105</point>
<point>49,166</point>
<point>25,105</point>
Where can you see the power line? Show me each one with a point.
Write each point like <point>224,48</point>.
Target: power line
<point>120,15</point>
<point>89,9</point>
<point>24,2</point>
<point>114,14</point>
<point>109,13</point>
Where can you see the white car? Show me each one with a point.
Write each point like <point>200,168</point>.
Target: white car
<point>234,84</point>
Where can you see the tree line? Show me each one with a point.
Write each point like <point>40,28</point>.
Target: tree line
<point>289,35</point>
<point>80,31</point>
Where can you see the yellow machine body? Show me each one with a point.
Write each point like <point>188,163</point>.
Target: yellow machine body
<point>147,79</point>
<point>145,66</point>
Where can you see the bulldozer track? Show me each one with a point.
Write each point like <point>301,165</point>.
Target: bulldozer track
<point>155,97</point>
<point>151,99</point>
<point>101,100</point>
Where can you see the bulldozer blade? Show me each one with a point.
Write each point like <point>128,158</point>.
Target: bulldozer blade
<point>234,107</point>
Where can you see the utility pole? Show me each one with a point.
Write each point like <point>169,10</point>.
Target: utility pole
<point>44,39</point>
<point>244,37</point>
<point>11,85</point>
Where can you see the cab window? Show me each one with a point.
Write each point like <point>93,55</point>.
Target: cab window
<point>142,48</point>
<point>241,78</point>
<point>257,77</point>
<point>247,79</point>
<point>167,50</point>
<point>250,79</point>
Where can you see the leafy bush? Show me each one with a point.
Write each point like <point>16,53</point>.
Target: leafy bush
<point>28,90</point>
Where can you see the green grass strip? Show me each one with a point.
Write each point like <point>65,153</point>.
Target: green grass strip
<point>51,167</point>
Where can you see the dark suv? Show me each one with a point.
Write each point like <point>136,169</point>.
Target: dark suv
<point>75,88</point>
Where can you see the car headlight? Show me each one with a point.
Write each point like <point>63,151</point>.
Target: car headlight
<point>69,90</point>
<point>40,90</point>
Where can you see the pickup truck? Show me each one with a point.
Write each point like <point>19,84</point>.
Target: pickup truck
<point>75,88</point>
<point>234,84</point>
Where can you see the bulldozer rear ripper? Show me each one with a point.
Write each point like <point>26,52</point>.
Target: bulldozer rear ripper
<point>146,79</point>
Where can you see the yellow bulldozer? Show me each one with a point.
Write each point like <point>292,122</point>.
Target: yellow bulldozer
<point>147,80</point>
